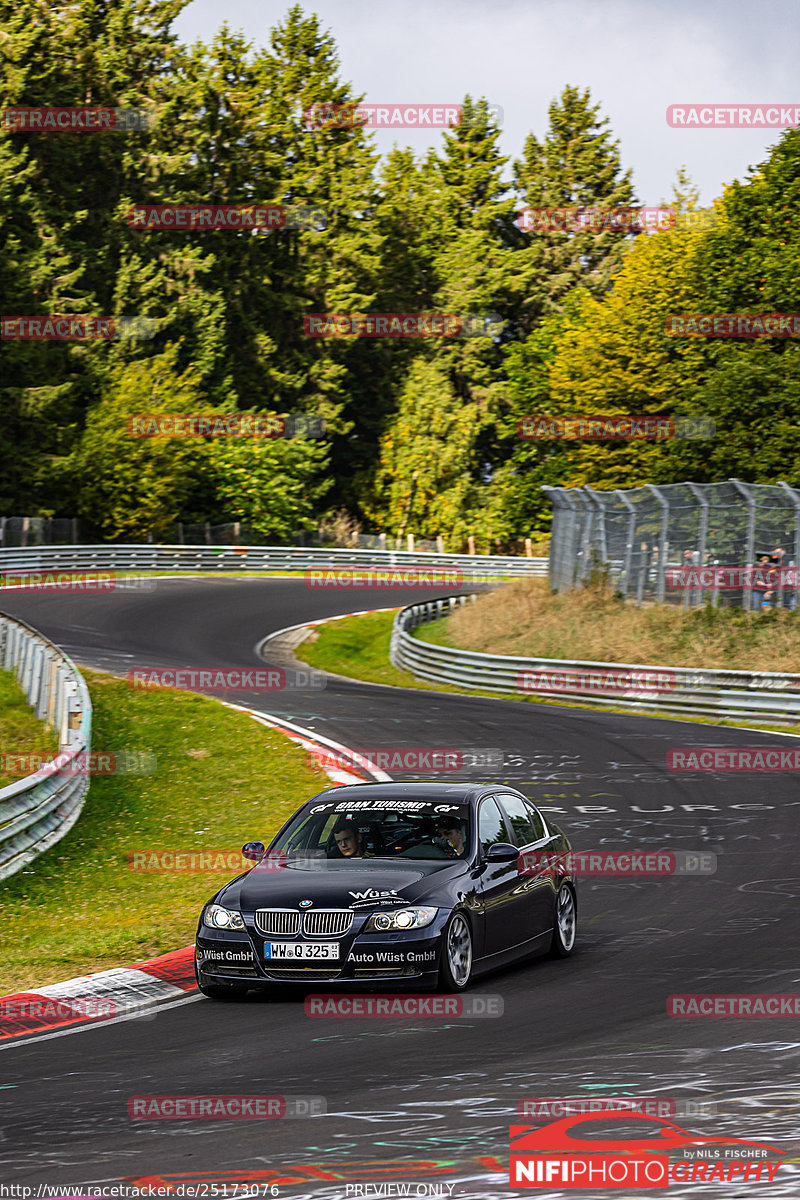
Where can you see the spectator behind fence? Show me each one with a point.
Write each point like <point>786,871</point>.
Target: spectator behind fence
<point>762,585</point>
<point>786,582</point>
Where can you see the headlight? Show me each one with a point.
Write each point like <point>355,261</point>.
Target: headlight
<point>406,918</point>
<point>217,917</point>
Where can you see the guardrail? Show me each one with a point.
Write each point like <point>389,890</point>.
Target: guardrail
<point>733,695</point>
<point>257,558</point>
<point>38,810</point>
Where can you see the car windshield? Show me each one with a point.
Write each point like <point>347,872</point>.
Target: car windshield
<point>338,830</point>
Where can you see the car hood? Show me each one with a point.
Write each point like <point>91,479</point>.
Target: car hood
<point>338,885</point>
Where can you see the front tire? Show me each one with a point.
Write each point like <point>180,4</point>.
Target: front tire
<point>219,991</point>
<point>565,926</point>
<point>455,971</point>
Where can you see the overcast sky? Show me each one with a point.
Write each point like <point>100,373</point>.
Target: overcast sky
<point>636,56</point>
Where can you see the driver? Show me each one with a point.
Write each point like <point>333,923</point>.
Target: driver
<point>348,839</point>
<point>451,830</point>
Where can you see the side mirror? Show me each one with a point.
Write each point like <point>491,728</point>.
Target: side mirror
<point>502,852</point>
<point>254,850</point>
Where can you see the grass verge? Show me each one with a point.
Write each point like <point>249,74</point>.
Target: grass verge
<point>358,647</point>
<point>21,733</point>
<point>221,779</point>
<point>593,625</point>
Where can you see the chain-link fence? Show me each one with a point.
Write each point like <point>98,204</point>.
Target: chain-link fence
<point>38,531</point>
<point>731,543</point>
<point>236,534</point>
<point>65,531</point>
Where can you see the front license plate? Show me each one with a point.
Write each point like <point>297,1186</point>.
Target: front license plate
<point>320,950</point>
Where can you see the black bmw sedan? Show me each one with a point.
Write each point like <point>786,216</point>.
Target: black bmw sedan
<point>420,885</point>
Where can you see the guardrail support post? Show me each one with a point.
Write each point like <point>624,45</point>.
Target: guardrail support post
<point>795,499</point>
<point>626,569</point>
<point>601,522</point>
<point>563,561</point>
<point>703,534</point>
<point>750,549</point>
<point>661,570</point>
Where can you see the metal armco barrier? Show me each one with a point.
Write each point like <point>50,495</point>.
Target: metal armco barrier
<point>258,558</point>
<point>733,695</point>
<point>38,810</point>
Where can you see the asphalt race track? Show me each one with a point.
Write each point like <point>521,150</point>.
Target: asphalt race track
<point>431,1101</point>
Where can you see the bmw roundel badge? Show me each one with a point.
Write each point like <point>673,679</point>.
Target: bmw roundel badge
<point>306,903</point>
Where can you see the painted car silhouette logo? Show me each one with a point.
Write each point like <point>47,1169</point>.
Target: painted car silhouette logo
<point>557,1138</point>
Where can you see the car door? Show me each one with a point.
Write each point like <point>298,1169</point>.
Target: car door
<point>529,835</point>
<point>499,886</point>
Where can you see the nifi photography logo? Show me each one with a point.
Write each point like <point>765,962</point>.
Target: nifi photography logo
<point>583,1151</point>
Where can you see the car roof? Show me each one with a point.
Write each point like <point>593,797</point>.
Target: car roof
<point>458,793</point>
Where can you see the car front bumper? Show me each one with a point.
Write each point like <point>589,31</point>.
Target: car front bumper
<point>404,961</point>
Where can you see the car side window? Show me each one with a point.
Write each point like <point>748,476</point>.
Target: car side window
<point>536,820</point>
<point>521,820</point>
<point>491,827</point>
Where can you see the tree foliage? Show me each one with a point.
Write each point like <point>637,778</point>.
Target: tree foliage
<point>424,434</point>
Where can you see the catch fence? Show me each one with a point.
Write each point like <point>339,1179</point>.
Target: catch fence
<point>731,543</point>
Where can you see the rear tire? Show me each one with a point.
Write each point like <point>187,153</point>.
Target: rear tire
<point>455,971</point>
<point>565,926</point>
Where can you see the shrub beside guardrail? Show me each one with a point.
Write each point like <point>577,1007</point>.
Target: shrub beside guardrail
<point>38,810</point>
<point>728,695</point>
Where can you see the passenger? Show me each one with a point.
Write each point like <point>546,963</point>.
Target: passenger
<point>450,829</point>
